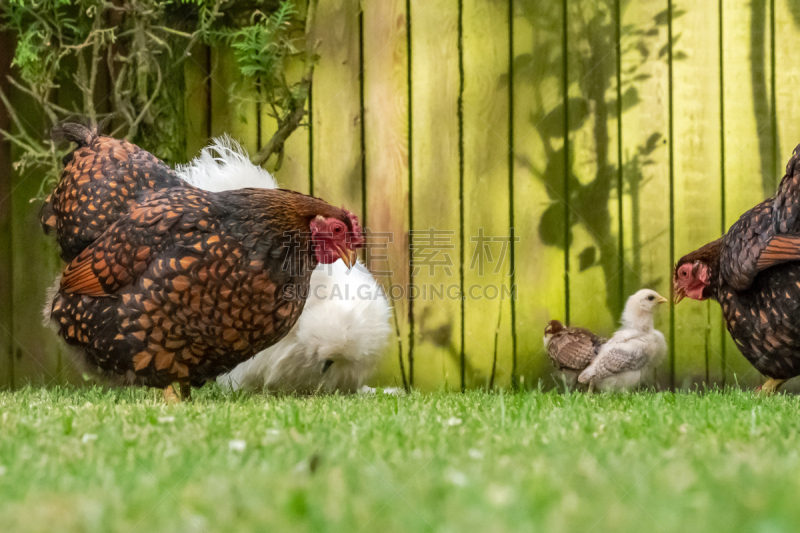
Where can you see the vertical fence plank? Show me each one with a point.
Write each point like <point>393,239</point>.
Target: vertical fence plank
<point>595,275</point>
<point>197,104</point>
<point>386,152</point>
<point>786,17</point>
<point>787,79</point>
<point>538,181</point>
<point>743,178</point>
<point>35,265</point>
<point>336,106</point>
<point>6,307</point>
<point>697,181</point>
<point>645,155</point>
<point>486,197</point>
<point>336,113</point>
<point>230,114</point>
<point>435,188</point>
<point>294,171</point>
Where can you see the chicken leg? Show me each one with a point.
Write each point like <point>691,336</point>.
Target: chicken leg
<point>186,392</point>
<point>170,396</point>
<point>771,386</point>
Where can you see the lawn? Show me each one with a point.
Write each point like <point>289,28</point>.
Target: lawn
<point>121,460</point>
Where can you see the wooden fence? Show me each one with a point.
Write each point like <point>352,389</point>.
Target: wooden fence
<point>573,149</point>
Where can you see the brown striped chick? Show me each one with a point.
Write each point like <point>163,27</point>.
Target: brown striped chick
<point>570,349</point>
<point>623,362</point>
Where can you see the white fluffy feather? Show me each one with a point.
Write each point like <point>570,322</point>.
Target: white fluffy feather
<point>346,321</point>
<point>346,317</point>
<point>225,166</point>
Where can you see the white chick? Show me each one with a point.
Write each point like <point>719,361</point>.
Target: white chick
<point>343,330</point>
<point>625,359</point>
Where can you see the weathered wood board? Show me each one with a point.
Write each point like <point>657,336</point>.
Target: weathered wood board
<point>336,113</point>
<point>38,355</point>
<point>385,78</point>
<point>538,182</point>
<point>487,258</point>
<point>197,74</point>
<point>295,171</point>
<point>238,117</point>
<point>434,193</point>
<point>6,235</point>
<point>697,172</point>
<point>595,275</point>
<point>645,156</point>
<point>744,183</point>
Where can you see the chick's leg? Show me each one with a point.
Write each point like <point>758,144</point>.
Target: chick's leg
<point>170,396</point>
<point>771,386</point>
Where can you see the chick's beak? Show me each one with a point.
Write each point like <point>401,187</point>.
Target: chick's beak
<point>348,256</point>
<point>661,300</point>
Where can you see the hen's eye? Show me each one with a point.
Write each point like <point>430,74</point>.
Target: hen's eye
<point>337,229</point>
<point>683,273</point>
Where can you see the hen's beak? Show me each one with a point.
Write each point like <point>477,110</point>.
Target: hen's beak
<point>680,294</point>
<point>348,256</point>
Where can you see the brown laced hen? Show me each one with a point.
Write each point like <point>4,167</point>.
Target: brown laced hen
<point>185,284</point>
<point>753,272</point>
<point>571,349</point>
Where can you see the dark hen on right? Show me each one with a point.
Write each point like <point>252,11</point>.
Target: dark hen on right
<point>753,272</point>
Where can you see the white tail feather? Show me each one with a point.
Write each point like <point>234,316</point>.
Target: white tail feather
<point>225,166</point>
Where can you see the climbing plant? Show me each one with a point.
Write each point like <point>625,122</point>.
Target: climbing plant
<point>120,64</point>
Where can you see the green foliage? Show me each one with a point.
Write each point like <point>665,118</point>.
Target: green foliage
<point>261,49</point>
<point>262,46</point>
<point>98,460</point>
<point>66,48</point>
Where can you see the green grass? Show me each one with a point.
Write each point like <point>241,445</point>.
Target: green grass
<point>120,460</point>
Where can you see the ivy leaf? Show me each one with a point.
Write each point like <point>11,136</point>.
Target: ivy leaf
<point>651,144</point>
<point>629,99</point>
<point>551,226</point>
<point>554,175</point>
<point>662,17</point>
<point>552,124</point>
<point>587,258</point>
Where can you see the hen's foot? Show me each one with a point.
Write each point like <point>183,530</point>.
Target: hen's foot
<point>771,386</point>
<point>186,392</point>
<point>170,396</point>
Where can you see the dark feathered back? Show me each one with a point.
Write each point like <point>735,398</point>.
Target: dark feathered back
<point>100,178</point>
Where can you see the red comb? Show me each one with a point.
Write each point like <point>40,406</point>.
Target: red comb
<point>356,237</point>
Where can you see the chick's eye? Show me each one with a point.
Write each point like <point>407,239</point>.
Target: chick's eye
<point>651,298</point>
